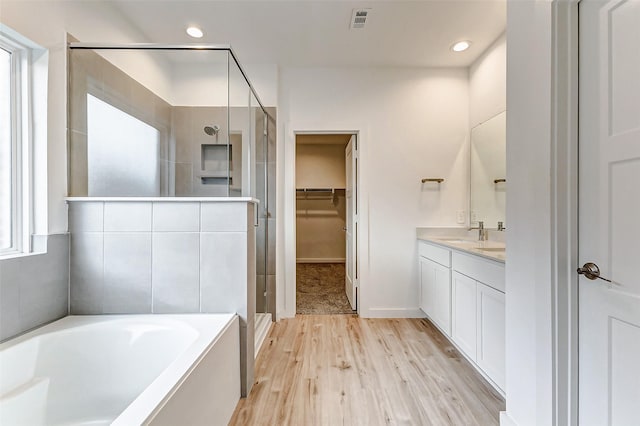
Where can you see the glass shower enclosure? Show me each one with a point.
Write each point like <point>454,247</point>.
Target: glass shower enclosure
<point>149,120</point>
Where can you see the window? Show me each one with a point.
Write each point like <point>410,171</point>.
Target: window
<point>123,153</point>
<point>6,153</point>
<point>23,97</point>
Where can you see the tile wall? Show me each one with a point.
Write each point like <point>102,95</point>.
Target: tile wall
<point>91,73</point>
<point>34,289</point>
<point>157,257</point>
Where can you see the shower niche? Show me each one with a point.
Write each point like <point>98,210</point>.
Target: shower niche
<point>220,162</point>
<point>216,164</point>
<point>216,160</point>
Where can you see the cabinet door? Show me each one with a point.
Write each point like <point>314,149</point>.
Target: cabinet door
<point>463,313</point>
<point>427,275</point>
<point>435,293</point>
<point>491,331</point>
<point>442,298</point>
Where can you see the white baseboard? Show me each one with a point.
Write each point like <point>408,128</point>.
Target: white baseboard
<point>393,313</point>
<point>506,420</point>
<point>320,260</point>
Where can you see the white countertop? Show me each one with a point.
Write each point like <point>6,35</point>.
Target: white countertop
<point>166,199</point>
<point>466,241</point>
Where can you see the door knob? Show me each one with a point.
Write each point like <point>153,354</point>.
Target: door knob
<point>591,271</point>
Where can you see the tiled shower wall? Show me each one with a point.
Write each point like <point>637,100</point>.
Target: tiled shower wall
<point>91,73</point>
<point>180,127</point>
<point>34,289</point>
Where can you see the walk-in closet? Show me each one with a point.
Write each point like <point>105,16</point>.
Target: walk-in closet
<point>321,223</point>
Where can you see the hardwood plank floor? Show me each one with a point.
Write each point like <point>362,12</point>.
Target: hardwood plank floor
<point>345,370</point>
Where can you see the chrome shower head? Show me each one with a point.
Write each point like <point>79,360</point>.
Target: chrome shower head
<point>212,130</point>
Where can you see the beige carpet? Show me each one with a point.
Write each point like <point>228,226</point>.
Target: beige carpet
<point>320,289</point>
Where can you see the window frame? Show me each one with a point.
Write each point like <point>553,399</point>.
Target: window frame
<point>21,145</point>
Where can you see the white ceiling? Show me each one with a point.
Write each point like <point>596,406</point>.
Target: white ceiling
<point>316,33</point>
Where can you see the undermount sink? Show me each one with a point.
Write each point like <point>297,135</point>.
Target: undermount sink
<point>492,249</point>
<point>454,240</point>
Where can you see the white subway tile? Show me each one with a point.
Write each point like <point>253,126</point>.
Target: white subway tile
<point>127,216</point>
<point>127,273</point>
<point>223,217</point>
<point>176,217</point>
<point>223,272</point>
<point>86,217</point>
<point>175,272</point>
<point>86,273</point>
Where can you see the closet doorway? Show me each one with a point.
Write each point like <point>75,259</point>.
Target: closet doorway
<point>326,224</point>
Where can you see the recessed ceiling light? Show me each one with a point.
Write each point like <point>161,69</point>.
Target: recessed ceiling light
<point>195,32</point>
<point>461,46</point>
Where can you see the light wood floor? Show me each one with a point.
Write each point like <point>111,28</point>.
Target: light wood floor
<point>344,370</point>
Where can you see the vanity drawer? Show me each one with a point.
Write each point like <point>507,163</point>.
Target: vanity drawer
<point>436,253</point>
<point>485,271</point>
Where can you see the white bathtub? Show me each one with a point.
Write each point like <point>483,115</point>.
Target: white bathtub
<point>123,370</point>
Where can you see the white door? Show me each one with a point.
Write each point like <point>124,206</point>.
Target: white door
<point>350,281</point>
<point>609,212</point>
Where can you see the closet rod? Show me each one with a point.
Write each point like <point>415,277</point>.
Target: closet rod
<point>332,190</point>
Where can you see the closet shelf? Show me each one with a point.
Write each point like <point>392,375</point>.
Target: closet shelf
<point>332,190</point>
<point>320,193</point>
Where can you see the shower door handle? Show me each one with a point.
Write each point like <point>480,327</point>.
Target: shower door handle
<point>255,213</point>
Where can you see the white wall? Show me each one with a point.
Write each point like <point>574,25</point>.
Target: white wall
<point>413,123</point>
<point>529,369</point>
<point>487,83</point>
<point>320,218</point>
<point>205,84</point>
<point>320,166</point>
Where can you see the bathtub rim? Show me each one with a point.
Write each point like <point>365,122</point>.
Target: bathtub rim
<point>147,405</point>
<point>152,399</point>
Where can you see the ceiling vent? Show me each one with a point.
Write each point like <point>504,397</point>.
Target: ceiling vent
<point>359,18</point>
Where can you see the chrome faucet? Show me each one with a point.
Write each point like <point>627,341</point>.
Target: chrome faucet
<point>482,233</point>
<point>501,226</point>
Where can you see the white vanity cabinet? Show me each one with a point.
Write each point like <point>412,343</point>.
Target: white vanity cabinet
<point>435,285</point>
<point>463,294</point>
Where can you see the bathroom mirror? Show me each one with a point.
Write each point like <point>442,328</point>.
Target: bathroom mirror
<point>488,172</point>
